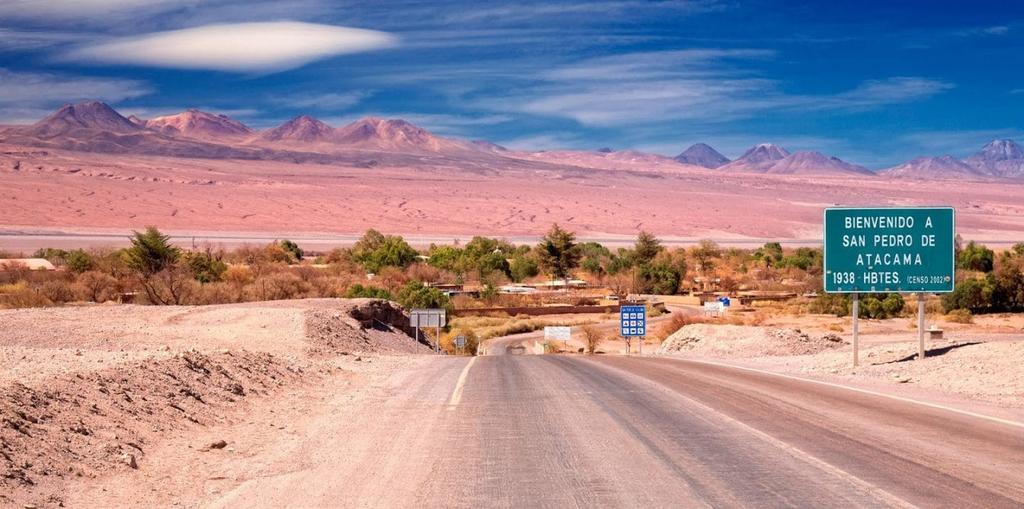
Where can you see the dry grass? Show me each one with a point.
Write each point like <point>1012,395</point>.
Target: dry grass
<point>487,327</point>
<point>959,316</point>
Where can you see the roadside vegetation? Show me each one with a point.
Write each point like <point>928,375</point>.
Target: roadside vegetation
<point>151,270</point>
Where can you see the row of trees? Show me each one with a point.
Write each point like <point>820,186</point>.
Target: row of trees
<point>987,283</point>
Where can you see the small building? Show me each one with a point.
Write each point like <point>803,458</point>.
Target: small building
<point>29,263</point>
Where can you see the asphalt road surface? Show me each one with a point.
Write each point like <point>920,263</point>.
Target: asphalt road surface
<point>604,431</point>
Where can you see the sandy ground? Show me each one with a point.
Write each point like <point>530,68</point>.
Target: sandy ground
<point>90,392</point>
<point>71,190</point>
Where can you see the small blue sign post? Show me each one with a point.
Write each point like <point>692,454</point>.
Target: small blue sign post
<point>633,323</point>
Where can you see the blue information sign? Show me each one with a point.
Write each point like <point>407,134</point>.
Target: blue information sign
<point>633,321</point>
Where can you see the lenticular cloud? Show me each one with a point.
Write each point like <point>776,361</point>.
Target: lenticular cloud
<point>238,47</point>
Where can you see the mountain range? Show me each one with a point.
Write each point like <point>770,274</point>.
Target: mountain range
<point>94,126</point>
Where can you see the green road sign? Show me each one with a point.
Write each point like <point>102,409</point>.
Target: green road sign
<point>889,250</point>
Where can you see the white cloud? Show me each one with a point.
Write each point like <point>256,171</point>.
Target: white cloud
<point>239,47</point>
<point>76,9</point>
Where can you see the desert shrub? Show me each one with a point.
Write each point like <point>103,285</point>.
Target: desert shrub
<point>292,249</point>
<point>552,347</point>
<point>974,294</point>
<point>975,257</point>
<point>58,291</point>
<point>206,266</point>
<point>358,291</point>
<point>592,338</point>
<point>78,261</point>
<point>280,285</point>
<point>831,304</point>
<point>173,285</point>
<point>959,316</point>
<point>97,286</point>
<point>215,293</point>
<point>20,295</point>
<point>472,341</point>
<point>835,327</point>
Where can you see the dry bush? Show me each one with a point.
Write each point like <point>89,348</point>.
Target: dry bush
<point>678,321</point>
<point>215,293</point>
<point>97,286</point>
<point>835,327</point>
<point>58,291</point>
<point>552,347</point>
<point>960,316</point>
<point>19,295</point>
<point>280,285</point>
<point>592,338</point>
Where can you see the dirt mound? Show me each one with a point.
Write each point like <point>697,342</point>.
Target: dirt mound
<point>369,326</point>
<point>90,423</point>
<point>743,341</point>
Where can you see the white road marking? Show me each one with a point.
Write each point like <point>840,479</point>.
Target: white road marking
<point>863,391</point>
<point>460,385</point>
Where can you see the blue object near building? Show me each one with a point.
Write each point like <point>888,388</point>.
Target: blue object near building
<point>725,301</point>
<point>633,321</point>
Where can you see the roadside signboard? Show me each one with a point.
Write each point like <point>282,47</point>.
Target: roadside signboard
<point>715,308</point>
<point>633,321</point>
<point>889,250</point>
<point>557,333</point>
<point>422,318</point>
<point>460,341</point>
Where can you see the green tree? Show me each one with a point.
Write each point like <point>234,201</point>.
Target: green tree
<point>155,260</point>
<point>358,291</point>
<point>375,251</point>
<point>769,254</point>
<point>206,266</point>
<point>417,295</point>
<point>646,248</point>
<point>78,261</point>
<point>974,294</point>
<point>558,254</point>
<point>522,268</point>
<point>976,257</point>
<point>151,252</point>
<point>705,255</point>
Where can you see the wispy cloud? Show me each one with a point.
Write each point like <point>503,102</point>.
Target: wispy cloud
<point>332,101</point>
<point>240,47</point>
<point>25,40</point>
<point>553,12</point>
<point>27,96</point>
<point>711,85</point>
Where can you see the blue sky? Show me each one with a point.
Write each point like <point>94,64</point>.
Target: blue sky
<point>874,83</point>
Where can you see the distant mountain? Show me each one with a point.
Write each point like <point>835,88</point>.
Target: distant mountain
<point>815,163</point>
<point>137,121</point>
<point>934,168</point>
<point>396,134</point>
<point>87,116</point>
<point>1000,158</point>
<point>199,124</point>
<point>758,158</point>
<point>304,129</point>
<point>700,154</point>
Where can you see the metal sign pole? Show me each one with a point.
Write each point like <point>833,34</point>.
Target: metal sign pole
<point>437,339</point>
<point>920,326</point>
<point>856,330</point>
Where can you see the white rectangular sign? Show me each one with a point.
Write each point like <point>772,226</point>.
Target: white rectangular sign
<point>714,308</point>
<point>558,333</point>
<point>427,318</point>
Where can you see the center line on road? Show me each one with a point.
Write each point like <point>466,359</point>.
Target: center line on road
<point>460,385</point>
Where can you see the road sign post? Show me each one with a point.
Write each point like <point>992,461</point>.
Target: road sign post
<point>558,333</point>
<point>633,323</point>
<point>896,249</point>
<point>434,317</point>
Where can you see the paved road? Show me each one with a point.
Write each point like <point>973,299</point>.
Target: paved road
<point>573,431</point>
